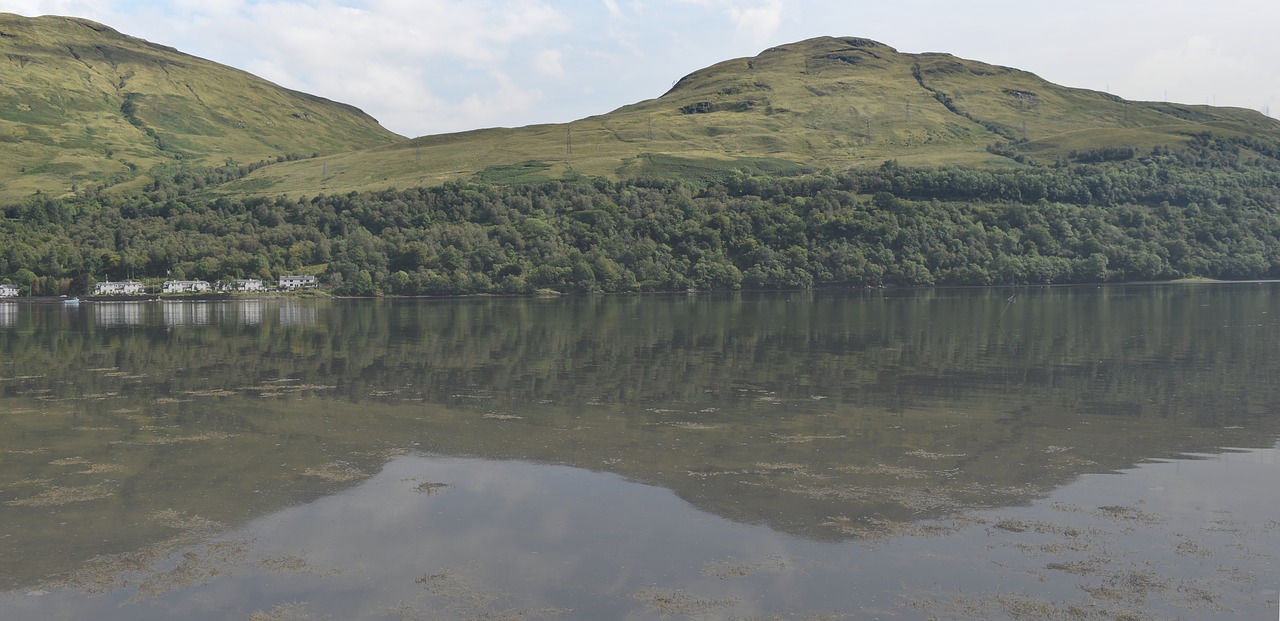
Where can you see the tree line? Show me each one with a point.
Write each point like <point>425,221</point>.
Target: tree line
<point>1209,209</point>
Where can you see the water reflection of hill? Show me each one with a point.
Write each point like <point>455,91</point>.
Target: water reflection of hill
<point>826,414</point>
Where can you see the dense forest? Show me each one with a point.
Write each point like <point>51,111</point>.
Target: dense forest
<point>1209,209</point>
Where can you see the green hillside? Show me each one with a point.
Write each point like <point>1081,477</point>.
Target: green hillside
<point>82,106</point>
<point>827,163</point>
<point>827,102</point>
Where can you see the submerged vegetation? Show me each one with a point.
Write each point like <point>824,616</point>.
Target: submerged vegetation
<point>1208,210</point>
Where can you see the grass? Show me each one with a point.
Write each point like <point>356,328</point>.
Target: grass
<point>74,94</point>
<point>827,102</point>
<point>525,172</point>
<point>82,103</point>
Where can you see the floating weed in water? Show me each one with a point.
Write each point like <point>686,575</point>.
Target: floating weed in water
<point>337,472</point>
<point>388,453</point>
<point>288,563</point>
<point>694,426</point>
<point>1223,526</point>
<point>450,594</point>
<point>35,451</point>
<point>1189,547</point>
<point>1131,586</point>
<point>69,461</point>
<point>21,411</point>
<point>471,396</point>
<point>896,472</point>
<point>1128,514</point>
<point>165,440</point>
<point>100,396</point>
<point>429,488</point>
<point>772,467</point>
<point>705,474</point>
<point>496,416</point>
<point>102,469</point>
<point>663,411</point>
<point>1010,606</point>
<point>41,482</point>
<point>1079,568</point>
<point>1022,607</point>
<point>192,558</point>
<point>198,566</point>
<point>210,393</point>
<point>927,455</point>
<point>282,387</point>
<point>821,616</point>
<point>917,499</point>
<point>879,528</point>
<point>193,524</point>
<point>671,602</point>
<point>288,611</point>
<point>793,439</point>
<point>56,496</point>
<point>1012,525</point>
<point>729,569</point>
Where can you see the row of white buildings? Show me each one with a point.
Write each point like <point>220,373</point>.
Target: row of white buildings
<point>133,287</point>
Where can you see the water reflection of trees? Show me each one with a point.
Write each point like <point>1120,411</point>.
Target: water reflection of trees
<point>826,414</point>
<point>1103,348</point>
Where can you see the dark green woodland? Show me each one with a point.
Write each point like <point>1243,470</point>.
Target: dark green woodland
<point>1208,210</point>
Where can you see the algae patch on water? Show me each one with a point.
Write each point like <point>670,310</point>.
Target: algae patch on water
<point>452,594</point>
<point>335,472</point>
<point>671,602</point>
<point>60,495</point>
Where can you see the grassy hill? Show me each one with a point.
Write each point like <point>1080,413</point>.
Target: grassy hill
<point>83,105</point>
<point>826,102</point>
<point>1148,191</point>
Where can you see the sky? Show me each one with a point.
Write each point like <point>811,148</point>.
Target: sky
<point>436,66</point>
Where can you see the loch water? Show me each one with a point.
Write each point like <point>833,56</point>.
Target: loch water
<point>1023,453</point>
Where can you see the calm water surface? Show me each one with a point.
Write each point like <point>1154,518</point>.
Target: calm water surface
<point>1075,453</point>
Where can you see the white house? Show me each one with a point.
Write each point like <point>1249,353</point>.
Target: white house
<point>128,287</point>
<point>250,284</point>
<point>298,282</point>
<point>8,291</point>
<point>185,286</point>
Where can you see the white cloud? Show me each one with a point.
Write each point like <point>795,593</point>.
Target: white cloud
<point>1194,71</point>
<point>757,24</point>
<point>550,62</point>
<point>489,109</point>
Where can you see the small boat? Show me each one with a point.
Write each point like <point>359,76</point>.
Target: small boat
<point>71,302</point>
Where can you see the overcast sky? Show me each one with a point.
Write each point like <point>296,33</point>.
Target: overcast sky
<point>434,66</point>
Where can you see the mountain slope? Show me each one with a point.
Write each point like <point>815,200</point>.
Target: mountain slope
<point>826,102</point>
<point>83,105</point>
